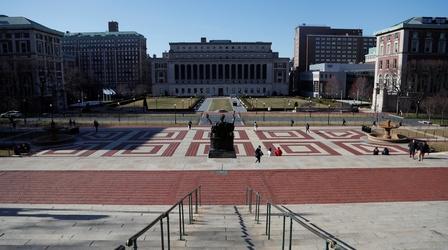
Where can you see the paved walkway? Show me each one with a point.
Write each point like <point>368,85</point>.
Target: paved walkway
<point>227,187</point>
<point>182,149</point>
<point>108,185</point>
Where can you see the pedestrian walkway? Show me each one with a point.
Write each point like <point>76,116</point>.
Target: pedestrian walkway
<point>98,191</point>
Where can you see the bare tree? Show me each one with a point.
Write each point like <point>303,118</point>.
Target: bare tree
<point>79,85</point>
<point>361,88</point>
<point>332,87</point>
<point>420,79</point>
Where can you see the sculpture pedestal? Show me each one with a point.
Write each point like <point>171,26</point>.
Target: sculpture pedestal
<point>220,153</point>
<point>221,140</point>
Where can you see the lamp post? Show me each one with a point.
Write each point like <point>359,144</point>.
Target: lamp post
<point>328,117</point>
<point>256,111</point>
<point>24,110</point>
<point>309,107</point>
<point>175,118</point>
<point>118,105</point>
<point>284,104</point>
<point>51,109</point>
<point>264,111</point>
<point>183,106</point>
<point>133,100</point>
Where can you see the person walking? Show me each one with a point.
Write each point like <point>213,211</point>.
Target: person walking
<point>343,121</point>
<point>307,128</point>
<point>412,147</point>
<point>255,126</point>
<point>424,150</point>
<point>420,151</point>
<point>258,154</point>
<point>96,125</point>
<point>292,123</point>
<point>269,152</point>
<point>189,124</point>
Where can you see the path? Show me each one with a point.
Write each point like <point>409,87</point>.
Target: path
<point>165,187</point>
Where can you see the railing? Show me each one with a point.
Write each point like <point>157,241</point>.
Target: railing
<point>331,242</point>
<point>132,241</point>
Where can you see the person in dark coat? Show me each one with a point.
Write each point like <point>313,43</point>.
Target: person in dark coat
<point>385,151</point>
<point>424,149</point>
<point>96,125</point>
<point>376,151</point>
<point>412,147</point>
<point>258,154</point>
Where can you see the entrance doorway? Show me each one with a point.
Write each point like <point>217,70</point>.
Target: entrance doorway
<point>220,91</point>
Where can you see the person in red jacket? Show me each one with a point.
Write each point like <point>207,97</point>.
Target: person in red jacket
<point>278,152</point>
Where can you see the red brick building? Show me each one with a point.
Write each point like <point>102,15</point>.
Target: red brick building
<point>411,63</point>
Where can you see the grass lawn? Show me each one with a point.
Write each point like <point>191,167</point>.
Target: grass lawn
<point>220,103</point>
<point>163,103</point>
<point>287,102</point>
<point>304,114</point>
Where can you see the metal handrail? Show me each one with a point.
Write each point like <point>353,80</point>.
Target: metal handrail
<point>331,241</point>
<point>132,241</point>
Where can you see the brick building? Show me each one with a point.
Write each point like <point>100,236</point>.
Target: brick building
<point>411,63</point>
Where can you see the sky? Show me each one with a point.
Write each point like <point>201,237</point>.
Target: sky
<point>165,21</point>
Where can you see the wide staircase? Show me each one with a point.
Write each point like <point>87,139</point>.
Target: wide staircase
<point>259,224</point>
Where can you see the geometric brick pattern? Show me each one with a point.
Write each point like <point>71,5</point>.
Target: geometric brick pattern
<point>363,148</point>
<point>333,134</point>
<point>147,149</point>
<point>301,148</point>
<point>163,142</point>
<point>282,135</point>
<point>82,149</point>
<point>159,135</point>
<point>205,135</point>
<point>104,135</point>
<point>202,148</point>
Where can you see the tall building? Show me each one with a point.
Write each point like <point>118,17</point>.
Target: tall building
<point>322,44</point>
<point>31,71</point>
<point>411,63</point>
<point>112,60</point>
<point>220,67</point>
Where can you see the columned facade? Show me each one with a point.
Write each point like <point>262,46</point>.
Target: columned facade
<point>219,68</point>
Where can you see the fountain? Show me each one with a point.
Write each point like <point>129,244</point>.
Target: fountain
<point>387,136</point>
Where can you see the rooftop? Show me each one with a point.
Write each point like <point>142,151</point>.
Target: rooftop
<point>418,22</point>
<point>338,67</point>
<point>7,22</point>
<point>102,34</point>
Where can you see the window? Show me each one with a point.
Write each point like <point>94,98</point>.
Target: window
<point>387,64</point>
<point>428,43</point>
<point>381,65</point>
<point>395,64</point>
<point>414,42</point>
<point>381,50</point>
<point>442,44</point>
<point>388,48</point>
<point>396,47</point>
